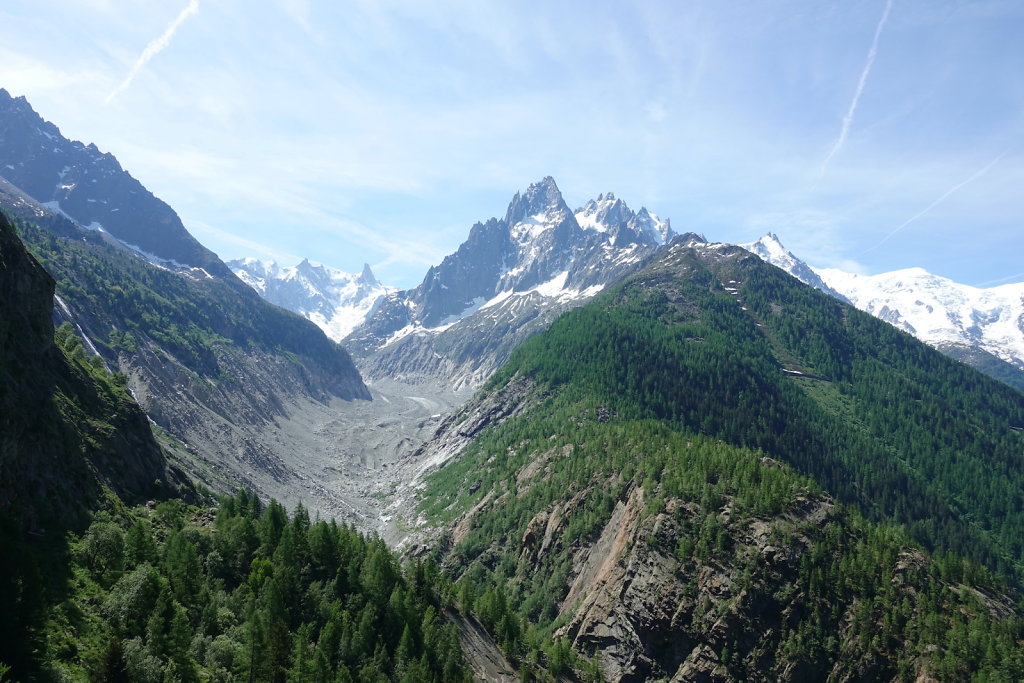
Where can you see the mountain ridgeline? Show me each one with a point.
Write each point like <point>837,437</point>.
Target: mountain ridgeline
<point>682,464</point>
<point>714,472</point>
<point>983,328</point>
<point>89,186</point>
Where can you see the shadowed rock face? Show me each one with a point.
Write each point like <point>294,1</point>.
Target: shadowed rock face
<point>64,435</point>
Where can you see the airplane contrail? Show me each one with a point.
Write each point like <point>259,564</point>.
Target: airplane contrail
<point>848,119</point>
<point>977,174</point>
<point>153,48</point>
<point>1015,277</point>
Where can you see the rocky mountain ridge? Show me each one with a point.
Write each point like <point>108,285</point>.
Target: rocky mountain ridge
<point>509,279</point>
<point>714,534</point>
<point>92,189</point>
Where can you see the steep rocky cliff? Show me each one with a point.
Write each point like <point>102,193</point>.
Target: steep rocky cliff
<point>68,431</point>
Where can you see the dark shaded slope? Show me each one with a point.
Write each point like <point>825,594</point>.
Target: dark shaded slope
<point>71,440</point>
<point>68,429</point>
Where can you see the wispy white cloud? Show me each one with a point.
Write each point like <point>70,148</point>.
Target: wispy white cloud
<point>22,74</point>
<point>154,47</point>
<point>208,233</point>
<point>945,195</point>
<point>1016,277</point>
<point>848,119</point>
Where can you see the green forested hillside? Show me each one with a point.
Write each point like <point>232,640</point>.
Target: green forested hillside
<point>71,440</point>
<point>194,317</point>
<point>876,417</point>
<point>243,593</point>
<point>659,419</point>
<point>93,589</point>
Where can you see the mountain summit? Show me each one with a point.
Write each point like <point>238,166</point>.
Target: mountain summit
<point>609,214</point>
<point>540,205</point>
<point>509,279</point>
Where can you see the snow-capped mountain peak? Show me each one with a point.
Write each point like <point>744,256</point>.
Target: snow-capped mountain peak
<point>770,249</point>
<point>659,230</point>
<point>333,299</point>
<point>536,210</point>
<point>601,213</point>
<point>940,311</point>
<point>609,214</point>
<point>510,276</point>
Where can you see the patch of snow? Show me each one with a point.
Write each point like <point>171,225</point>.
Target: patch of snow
<point>158,261</point>
<point>403,333</point>
<point>55,207</point>
<point>552,289</point>
<point>473,307</point>
<point>532,227</point>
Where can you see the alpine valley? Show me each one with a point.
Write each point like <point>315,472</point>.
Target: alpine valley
<point>583,448</point>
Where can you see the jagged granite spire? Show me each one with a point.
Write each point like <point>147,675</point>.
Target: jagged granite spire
<point>367,276</point>
<point>539,199</point>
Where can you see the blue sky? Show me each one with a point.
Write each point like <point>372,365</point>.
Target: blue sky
<point>869,135</point>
